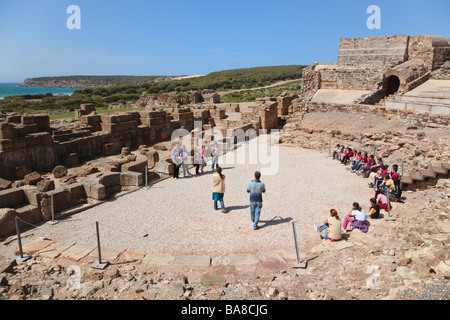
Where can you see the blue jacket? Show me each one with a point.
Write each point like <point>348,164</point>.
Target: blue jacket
<point>256,188</point>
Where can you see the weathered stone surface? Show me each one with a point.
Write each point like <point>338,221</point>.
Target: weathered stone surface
<point>7,221</point>
<point>152,158</point>
<point>5,184</point>
<point>193,260</point>
<point>136,166</point>
<point>78,251</point>
<point>46,185</point>
<point>59,171</point>
<point>158,259</point>
<point>31,248</point>
<point>11,198</point>
<point>32,178</point>
<point>242,259</point>
<point>209,280</point>
<point>131,179</point>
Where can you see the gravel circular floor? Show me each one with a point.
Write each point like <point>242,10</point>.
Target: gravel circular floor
<point>178,217</point>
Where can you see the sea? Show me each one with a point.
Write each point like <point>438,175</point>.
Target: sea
<point>14,89</point>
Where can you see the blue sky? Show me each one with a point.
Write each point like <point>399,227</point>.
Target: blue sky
<point>174,37</point>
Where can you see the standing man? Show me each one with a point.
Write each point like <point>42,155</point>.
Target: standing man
<point>256,188</point>
<point>215,156</point>
<point>184,161</point>
<point>176,163</point>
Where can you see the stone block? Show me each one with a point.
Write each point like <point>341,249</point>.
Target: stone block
<point>203,260</point>
<point>110,179</point>
<point>31,248</point>
<point>7,131</point>
<point>14,119</point>
<point>5,184</point>
<point>30,214</point>
<point>79,113</point>
<point>158,259</point>
<point>7,221</point>
<point>121,126</point>
<point>88,107</point>
<point>46,185</point>
<point>98,192</point>
<point>11,198</point>
<point>39,138</point>
<point>132,179</point>
<point>61,199</point>
<point>91,119</point>
<point>135,166</point>
<point>32,178</point>
<point>164,167</point>
<point>78,251</point>
<point>77,193</point>
<point>32,195</point>
<point>94,189</point>
<point>152,158</point>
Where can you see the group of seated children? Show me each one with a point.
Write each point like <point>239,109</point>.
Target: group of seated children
<point>383,181</point>
<point>376,171</point>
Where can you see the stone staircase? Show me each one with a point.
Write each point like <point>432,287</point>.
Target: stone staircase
<point>435,101</point>
<point>423,178</point>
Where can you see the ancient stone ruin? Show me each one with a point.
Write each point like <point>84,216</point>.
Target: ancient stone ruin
<point>397,72</point>
<point>34,154</point>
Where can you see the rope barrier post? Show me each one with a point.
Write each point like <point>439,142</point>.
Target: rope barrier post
<point>300,263</point>
<point>99,264</point>
<point>374,151</point>
<point>22,257</point>
<point>389,218</point>
<point>146,180</point>
<point>53,210</point>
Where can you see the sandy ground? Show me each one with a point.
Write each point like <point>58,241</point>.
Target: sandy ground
<point>177,216</point>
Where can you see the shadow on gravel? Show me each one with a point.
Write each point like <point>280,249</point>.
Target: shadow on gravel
<point>237,208</point>
<point>276,220</point>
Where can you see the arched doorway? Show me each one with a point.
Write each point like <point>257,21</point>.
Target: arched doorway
<point>392,85</point>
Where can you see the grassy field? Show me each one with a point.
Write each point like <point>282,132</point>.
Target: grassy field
<point>250,95</point>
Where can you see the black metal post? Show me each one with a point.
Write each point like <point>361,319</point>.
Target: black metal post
<point>18,237</point>
<point>98,243</point>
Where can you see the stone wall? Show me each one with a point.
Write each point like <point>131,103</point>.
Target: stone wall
<point>384,51</point>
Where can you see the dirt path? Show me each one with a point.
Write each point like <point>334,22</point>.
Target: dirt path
<point>265,87</point>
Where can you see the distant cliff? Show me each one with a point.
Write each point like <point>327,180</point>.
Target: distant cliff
<point>91,81</point>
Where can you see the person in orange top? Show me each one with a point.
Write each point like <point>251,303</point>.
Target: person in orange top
<point>218,189</point>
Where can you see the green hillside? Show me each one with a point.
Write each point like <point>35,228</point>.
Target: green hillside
<point>103,96</point>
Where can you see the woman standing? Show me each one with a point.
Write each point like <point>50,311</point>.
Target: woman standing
<point>202,155</point>
<point>218,189</point>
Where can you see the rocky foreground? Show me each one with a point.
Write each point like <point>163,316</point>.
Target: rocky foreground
<point>404,259</point>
